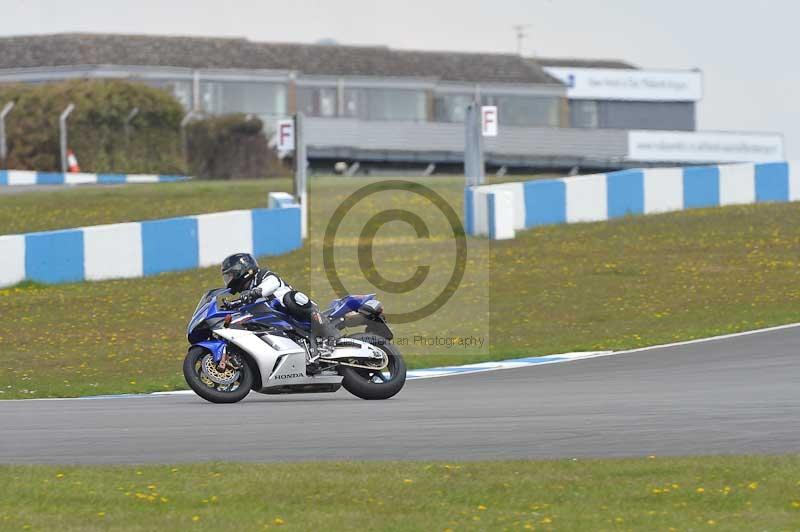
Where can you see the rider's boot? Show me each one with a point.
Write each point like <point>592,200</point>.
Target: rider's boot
<point>312,361</point>
<point>326,334</point>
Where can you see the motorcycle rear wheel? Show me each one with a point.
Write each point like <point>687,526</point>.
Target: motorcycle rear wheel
<point>192,372</point>
<point>376,385</point>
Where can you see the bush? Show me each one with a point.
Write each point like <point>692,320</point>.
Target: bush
<point>96,127</point>
<point>230,147</point>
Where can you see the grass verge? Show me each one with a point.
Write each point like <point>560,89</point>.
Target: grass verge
<point>621,284</point>
<point>696,493</point>
<point>82,206</point>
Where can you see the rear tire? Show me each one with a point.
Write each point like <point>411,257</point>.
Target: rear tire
<point>190,373</point>
<point>358,381</point>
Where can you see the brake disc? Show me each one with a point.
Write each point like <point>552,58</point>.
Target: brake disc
<point>213,372</point>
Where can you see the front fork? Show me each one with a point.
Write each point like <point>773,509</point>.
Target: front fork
<point>224,360</point>
<point>218,350</point>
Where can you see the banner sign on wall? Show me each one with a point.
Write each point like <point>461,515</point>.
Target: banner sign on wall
<point>628,84</point>
<point>690,146</point>
<point>489,120</point>
<point>285,135</point>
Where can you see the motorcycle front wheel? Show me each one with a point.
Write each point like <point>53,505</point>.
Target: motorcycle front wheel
<point>203,376</point>
<point>376,384</point>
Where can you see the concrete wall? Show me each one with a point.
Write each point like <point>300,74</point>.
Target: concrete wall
<point>542,147</point>
<point>351,139</point>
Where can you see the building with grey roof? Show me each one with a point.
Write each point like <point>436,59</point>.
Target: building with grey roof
<point>382,105</point>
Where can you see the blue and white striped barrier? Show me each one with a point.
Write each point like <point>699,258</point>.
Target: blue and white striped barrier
<point>140,249</point>
<point>278,200</point>
<point>28,177</point>
<point>490,211</point>
<point>600,197</point>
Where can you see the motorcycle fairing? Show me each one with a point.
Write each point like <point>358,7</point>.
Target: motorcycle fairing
<point>217,348</point>
<point>269,313</point>
<point>281,362</point>
<point>207,311</point>
<point>272,313</point>
<point>340,307</point>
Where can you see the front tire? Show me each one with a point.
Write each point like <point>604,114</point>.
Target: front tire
<point>192,373</point>
<point>374,385</point>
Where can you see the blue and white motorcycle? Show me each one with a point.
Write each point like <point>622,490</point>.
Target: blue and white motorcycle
<point>259,347</point>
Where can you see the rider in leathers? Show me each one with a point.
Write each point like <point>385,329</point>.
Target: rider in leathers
<point>241,274</point>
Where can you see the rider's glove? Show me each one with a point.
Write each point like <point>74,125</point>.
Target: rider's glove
<point>249,296</point>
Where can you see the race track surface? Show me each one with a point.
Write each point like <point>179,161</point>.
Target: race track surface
<point>735,395</point>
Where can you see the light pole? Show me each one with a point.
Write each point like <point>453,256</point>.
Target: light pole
<point>520,31</point>
<point>62,127</point>
<point>3,145</point>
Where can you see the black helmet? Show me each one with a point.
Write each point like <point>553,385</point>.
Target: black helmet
<point>237,269</point>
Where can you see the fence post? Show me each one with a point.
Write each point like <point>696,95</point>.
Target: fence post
<point>62,128</point>
<point>3,143</point>
<point>301,172</point>
<point>127,124</point>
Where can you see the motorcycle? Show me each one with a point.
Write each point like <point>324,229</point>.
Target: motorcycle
<point>260,347</point>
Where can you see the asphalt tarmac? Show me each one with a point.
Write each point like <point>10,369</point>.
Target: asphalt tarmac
<point>737,395</point>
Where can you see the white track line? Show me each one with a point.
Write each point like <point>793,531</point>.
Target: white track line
<point>572,357</point>
<point>710,339</point>
<point>482,367</point>
<point>690,342</point>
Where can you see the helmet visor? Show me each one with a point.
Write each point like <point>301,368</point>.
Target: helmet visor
<point>227,277</point>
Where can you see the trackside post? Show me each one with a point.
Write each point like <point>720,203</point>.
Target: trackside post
<point>62,130</point>
<point>300,172</point>
<point>3,142</point>
<point>473,146</point>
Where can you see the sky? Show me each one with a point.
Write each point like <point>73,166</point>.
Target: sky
<point>747,49</point>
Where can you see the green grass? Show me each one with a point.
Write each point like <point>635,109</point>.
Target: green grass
<point>701,493</point>
<point>82,206</point>
<point>621,284</point>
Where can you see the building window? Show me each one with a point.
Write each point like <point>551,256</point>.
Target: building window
<point>390,104</point>
<point>583,113</point>
<point>182,90</point>
<point>452,107</point>
<point>353,102</point>
<point>385,104</point>
<point>317,101</point>
<point>224,97</point>
<point>525,111</point>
